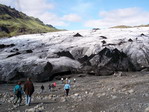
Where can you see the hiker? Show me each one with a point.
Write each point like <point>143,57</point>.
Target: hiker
<point>66,79</point>
<point>66,88</point>
<point>50,87</point>
<point>69,81</point>
<point>62,80</point>
<point>18,93</point>
<point>28,89</point>
<point>42,88</point>
<point>54,85</point>
<point>74,80</point>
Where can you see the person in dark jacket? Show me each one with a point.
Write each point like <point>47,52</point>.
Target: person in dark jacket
<point>42,89</point>
<point>18,93</point>
<point>50,87</point>
<point>28,89</point>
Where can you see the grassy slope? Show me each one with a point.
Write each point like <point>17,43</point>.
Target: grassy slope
<point>14,23</point>
<point>123,26</point>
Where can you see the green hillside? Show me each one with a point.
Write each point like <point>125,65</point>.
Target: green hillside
<point>124,26</point>
<point>121,26</point>
<point>13,22</point>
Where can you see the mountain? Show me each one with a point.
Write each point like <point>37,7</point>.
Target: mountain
<point>13,22</point>
<point>121,26</point>
<point>124,26</point>
<point>142,25</point>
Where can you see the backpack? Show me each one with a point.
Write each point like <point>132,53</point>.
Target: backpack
<point>18,91</point>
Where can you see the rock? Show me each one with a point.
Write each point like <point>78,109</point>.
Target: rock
<point>95,29</point>
<point>86,92</point>
<point>5,46</point>
<point>11,99</point>
<point>103,37</point>
<point>130,40</point>
<point>65,53</point>
<point>62,99</point>
<point>14,50</point>
<point>130,91</point>
<point>76,94</point>
<point>99,94</point>
<point>17,53</point>
<point>145,94</point>
<point>90,94</point>
<point>103,42</point>
<point>37,108</point>
<point>30,110</point>
<point>49,97</point>
<point>85,60</point>
<point>29,51</point>
<point>147,109</point>
<point>113,97</point>
<point>142,34</point>
<point>77,35</point>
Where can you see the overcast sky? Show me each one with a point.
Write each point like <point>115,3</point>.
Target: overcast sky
<point>84,14</point>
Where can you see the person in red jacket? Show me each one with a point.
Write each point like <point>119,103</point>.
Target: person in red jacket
<point>28,89</point>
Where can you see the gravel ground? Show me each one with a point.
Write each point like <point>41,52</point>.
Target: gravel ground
<point>119,93</point>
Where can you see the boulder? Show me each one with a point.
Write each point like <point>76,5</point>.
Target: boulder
<point>77,35</point>
<point>29,51</point>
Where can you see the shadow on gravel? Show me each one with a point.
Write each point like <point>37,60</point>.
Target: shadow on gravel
<point>37,103</point>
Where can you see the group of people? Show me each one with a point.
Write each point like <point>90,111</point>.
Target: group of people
<point>50,86</point>
<point>29,89</point>
<point>67,84</point>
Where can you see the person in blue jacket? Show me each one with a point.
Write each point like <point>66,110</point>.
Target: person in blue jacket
<point>18,93</point>
<point>67,88</point>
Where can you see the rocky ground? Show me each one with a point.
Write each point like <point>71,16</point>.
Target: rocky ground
<point>126,92</point>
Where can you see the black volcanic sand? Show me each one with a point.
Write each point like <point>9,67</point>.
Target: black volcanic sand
<point>128,93</point>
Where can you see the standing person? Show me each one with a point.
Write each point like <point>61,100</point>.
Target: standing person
<point>68,81</point>
<point>28,89</point>
<point>50,87</point>
<point>66,88</point>
<point>74,80</point>
<point>62,80</point>
<point>18,93</point>
<point>42,88</point>
<point>54,85</point>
